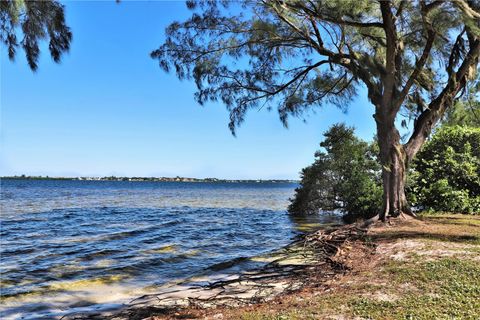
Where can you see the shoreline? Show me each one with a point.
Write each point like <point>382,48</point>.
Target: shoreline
<point>110,298</point>
<point>286,270</point>
<point>82,250</point>
<point>403,269</point>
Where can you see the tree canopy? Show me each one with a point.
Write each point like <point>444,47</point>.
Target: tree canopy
<point>295,54</point>
<point>25,23</point>
<point>412,56</point>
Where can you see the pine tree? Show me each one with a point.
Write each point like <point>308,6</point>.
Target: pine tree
<point>416,57</point>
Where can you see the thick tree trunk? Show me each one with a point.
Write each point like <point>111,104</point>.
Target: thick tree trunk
<point>394,156</point>
<point>394,160</point>
<point>394,175</point>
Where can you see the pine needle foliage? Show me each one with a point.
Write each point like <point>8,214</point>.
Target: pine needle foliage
<point>25,23</point>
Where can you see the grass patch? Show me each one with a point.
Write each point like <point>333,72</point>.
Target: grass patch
<point>314,308</point>
<point>417,288</point>
<point>450,289</point>
<point>463,229</point>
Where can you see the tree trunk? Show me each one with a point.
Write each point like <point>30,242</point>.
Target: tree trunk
<point>394,179</point>
<point>394,160</point>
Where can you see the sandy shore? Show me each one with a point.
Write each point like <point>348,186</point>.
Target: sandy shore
<point>419,269</point>
<point>284,271</point>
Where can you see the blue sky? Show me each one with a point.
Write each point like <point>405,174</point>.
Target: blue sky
<point>108,109</point>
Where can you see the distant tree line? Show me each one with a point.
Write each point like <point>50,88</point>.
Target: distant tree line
<point>151,179</point>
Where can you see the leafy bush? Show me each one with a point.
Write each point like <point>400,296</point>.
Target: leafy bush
<point>445,175</point>
<point>345,177</point>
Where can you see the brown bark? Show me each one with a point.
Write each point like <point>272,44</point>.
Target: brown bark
<point>394,156</point>
<point>394,174</point>
<point>394,160</point>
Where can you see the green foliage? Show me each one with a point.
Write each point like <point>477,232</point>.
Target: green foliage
<point>445,176</point>
<point>35,21</point>
<point>294,55</point>
<point>465,113</point>
<point>345,177</point>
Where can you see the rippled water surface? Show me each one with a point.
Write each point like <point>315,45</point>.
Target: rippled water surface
<point>71,246</point>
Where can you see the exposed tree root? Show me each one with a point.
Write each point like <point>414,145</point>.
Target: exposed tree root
<point>311,259</point>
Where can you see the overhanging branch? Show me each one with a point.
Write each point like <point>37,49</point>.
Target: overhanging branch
<point>437,106</point>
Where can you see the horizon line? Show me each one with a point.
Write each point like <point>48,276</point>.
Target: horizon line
<point>139,178</point>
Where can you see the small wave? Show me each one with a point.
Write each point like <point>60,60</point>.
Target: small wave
<point>99,254</point>
<point>126,234</point>
<point>227,264</point>
<point>15,252</point>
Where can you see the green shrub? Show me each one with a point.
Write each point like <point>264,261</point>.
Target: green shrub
<point>344,177</point>
<point>445,176</point>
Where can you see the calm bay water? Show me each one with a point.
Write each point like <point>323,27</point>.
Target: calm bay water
<point>71,246</point>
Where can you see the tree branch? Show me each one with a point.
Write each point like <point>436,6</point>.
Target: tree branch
<point>418,68</point>
<point>280,88</point>
<point>452,60</point>
<point>429,117</point>
<point>391,55</point>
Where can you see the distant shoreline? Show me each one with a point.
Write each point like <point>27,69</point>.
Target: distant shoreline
<point>151,179</point>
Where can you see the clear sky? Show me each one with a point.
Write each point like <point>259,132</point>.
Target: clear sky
<point>108,109</point>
